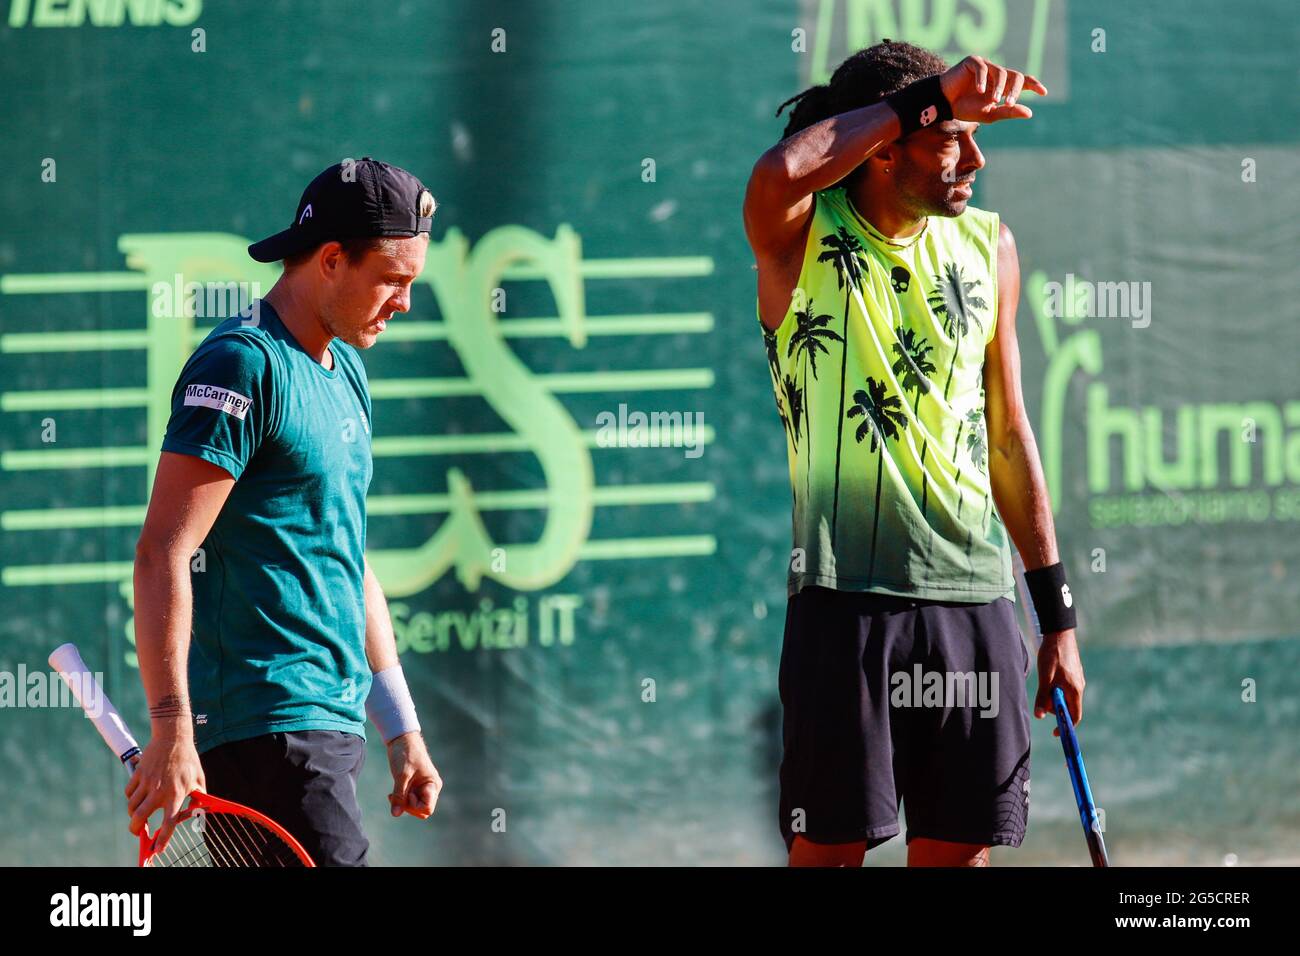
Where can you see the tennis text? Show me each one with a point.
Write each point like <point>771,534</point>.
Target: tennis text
<point>103,13</point>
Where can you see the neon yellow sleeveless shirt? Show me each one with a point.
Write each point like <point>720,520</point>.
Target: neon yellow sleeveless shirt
<point>878,373</point>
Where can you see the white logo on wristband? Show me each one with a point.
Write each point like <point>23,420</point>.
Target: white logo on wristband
<point>1066,597</point>
<point>929,115</point>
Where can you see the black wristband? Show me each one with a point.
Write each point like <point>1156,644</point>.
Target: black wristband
<point>1053,601</point>
<point>920,104</point>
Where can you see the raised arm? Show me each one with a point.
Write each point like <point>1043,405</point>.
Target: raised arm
<point>778,199</point>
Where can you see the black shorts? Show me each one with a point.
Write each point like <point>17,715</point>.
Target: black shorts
<point>867,727</point>
<point>304,780</point>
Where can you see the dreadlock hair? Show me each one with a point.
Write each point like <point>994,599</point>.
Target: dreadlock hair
<point>866,77</point>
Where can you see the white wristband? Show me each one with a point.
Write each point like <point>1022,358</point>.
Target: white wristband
<point>389,704</point>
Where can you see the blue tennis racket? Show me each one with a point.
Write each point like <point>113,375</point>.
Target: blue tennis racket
<point>1079,780</point>
<point>1088,816</point>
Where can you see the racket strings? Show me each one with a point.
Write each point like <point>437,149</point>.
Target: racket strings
<point>225,840</point>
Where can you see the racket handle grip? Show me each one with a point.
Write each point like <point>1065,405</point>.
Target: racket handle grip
<point>66,659</point>
<point>1068,739</point>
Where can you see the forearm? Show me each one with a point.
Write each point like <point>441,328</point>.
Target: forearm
<point>1020,493</point>
<point>818,157</point>
<point>163,609</point>
<point>389,704</point>
<point>1021,496</point>
<point>381,645</point>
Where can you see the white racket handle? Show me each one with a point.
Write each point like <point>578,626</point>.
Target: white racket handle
<point>66,659</point>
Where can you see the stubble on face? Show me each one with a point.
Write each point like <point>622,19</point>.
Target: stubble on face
<point>338,327</point>
<point>929,194</point>
<point>367,296</point>
<point>357,337</point>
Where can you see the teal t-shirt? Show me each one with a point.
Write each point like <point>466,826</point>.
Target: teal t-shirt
<point>279,610</point>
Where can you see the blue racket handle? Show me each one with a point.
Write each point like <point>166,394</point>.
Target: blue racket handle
<point>1079,780</point>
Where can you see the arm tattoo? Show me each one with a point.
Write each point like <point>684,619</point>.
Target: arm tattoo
<point>170,706</point>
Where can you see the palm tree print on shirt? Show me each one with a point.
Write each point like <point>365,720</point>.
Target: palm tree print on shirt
<point>976,445</point>
<point>774,368</point>
<point>952,300</point>
<point>978,448</point>
<point>882,418</point>
<point>773,358</point>
<point>810,330</point>
<point>793,406</point>
<point>914,368</point>
<point>845,252</point>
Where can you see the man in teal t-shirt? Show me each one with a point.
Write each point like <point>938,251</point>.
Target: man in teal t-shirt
<point>279,622</point>
<point>263,636</point>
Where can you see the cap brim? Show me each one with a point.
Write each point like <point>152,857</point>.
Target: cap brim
<point>282,245</point>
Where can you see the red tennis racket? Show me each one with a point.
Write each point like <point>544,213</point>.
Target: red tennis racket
<point>209,831</point>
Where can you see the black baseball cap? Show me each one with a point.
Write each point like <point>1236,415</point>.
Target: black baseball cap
<point>354,199</point>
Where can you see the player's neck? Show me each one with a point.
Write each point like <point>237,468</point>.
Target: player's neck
<point>301,321</point>
<point>879,205</point>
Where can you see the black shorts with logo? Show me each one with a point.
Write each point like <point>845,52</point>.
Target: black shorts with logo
<point>304,780</point>
<point>891,701</point>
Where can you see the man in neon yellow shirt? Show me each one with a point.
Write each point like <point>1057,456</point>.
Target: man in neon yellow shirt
<point>888,310</point>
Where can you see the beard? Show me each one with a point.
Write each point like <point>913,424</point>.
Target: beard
<point>953,204</point>
<point>357,336</point>
<point>930,197</point>
<point>944,199</point>
<point>354,337</point>
<point>952,198</point>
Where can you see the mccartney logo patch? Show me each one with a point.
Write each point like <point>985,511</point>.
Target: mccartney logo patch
<point>222,399</point>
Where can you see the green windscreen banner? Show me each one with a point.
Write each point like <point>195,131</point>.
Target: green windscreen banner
<point>580,510</point>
